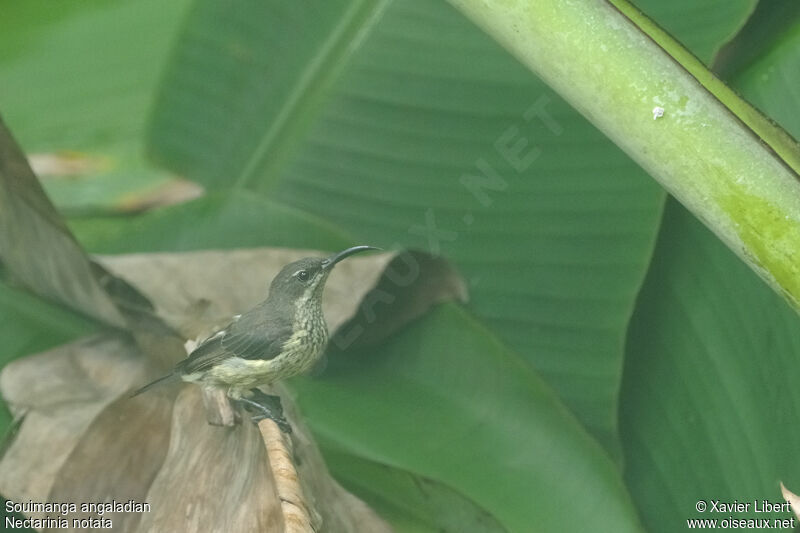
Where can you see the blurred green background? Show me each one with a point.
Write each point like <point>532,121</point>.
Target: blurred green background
<point>615,363</point>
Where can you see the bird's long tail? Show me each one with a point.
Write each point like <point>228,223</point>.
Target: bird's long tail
<point>164,379</point>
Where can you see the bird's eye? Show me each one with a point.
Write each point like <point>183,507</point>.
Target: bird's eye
<point>303,275</point>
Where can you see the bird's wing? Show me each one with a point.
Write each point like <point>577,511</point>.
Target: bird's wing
<point>255,343</point>
<point>246,338</point>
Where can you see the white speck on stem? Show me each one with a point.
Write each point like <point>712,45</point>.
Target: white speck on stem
<point>658,112</point>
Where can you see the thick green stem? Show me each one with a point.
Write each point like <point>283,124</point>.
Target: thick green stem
<point>727,164</point>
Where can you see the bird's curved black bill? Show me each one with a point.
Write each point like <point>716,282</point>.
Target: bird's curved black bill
<point>335,258</point>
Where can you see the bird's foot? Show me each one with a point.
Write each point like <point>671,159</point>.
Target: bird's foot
<point>265,406</point>
<point>271,400</point>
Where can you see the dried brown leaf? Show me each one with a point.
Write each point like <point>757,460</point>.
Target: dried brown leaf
<point>84,441</point>
<point>792,498</point>
<point>213,479</point>
<point>37,247</point>
<point>60,392</point>
<point>117,457</point>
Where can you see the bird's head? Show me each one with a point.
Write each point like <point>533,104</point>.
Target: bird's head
<point>305,278</point>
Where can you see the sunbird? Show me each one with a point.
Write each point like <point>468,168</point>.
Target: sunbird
<point>283,336</point>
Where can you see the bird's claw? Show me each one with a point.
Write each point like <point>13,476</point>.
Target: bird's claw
<point>269,401</point>
<point>265,406</point>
